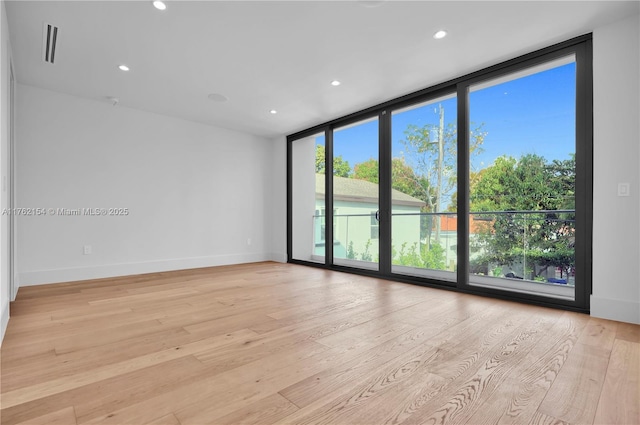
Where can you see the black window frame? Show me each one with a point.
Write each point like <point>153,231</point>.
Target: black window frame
<point>581,47</point>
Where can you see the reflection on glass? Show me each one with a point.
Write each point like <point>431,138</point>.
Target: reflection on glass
<point>356,195</point>
<point>308,198</point>
<point>424,168</point>
<point>522,185</point>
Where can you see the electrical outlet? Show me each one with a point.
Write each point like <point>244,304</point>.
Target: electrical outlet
<point>86,250</point>
<point>623,189</point>
<point>248,241</point>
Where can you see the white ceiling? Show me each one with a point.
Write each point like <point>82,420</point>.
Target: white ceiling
<point>267,55</point>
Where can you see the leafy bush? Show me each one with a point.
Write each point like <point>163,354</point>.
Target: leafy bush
<point>426,258</point>
<point>351,254</point>
<point>366,255</point>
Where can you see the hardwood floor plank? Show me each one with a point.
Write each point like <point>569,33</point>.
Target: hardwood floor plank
<point>99,373</point>
<point>90,338</point>
<point>126,298</point>
<point>369,389</point>
<point>304,312</point>
<point>34,348</point>
<point>55,366</point>
<point>620,399</point>
<point>103,323</point>
<point>254,380</point>
<point>599,333</point>
<point>59,318</point>
<point>573,396</point>
<point>337,389</point>
<point>454,367</point>
<point>271,343</point>
<point>110,394</point>
<point>20,366</point>
<point>126,390</point>
<point>264,412</point>
<point>542,419</point>
<point>226,324</point>
<point>27,321</point>
<point>468,384</point>
<point>628,332</point>
<point>210,397</point>
<point>518,398</point>
<point>169,419</point>
<point>477,333</point>
<point>249,350</point>
<point>337,320</point>
<point>334,381</point>
<point>64,416</point>
<point>369,334</point>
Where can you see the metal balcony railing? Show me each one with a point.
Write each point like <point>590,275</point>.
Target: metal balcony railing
<point>535,245</point>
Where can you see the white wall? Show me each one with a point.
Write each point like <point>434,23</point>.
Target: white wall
<point>195,193</point>
<point>616,227</point>
<point>5,58</point>
<point>304,197</point>
<point>278,200</point>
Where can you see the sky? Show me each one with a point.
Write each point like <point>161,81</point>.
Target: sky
<point>532,114</point>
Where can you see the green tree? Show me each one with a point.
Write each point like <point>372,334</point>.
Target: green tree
<point>368,170</point>
<point>403,178</point>
<point>341,167</point>
<point>511,186</point>
<point>564,173</point>
<point>528,183</point>
<point>431,151</point>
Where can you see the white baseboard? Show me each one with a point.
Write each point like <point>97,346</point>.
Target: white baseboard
<point>620,310</point>
<point>5,321</point>
<point>278,257</point>
<point>41,277</point>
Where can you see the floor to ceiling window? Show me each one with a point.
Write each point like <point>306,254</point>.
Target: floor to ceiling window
<point>356,190</point>
<point>482,183</point>
<point>424,167</point>
<point>308,211</point>
<point>522,183</point>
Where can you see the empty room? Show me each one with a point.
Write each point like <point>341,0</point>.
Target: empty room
<point>304,212</point>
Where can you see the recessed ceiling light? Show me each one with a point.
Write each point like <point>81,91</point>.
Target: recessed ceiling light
<point>273,112</point>
<point>335,83</point>
<point>159,5</point>
<point>123,67</point>
<point>218,97</point>
<point>440,34</point>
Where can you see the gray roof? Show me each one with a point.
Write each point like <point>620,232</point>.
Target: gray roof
<point>346,189</point>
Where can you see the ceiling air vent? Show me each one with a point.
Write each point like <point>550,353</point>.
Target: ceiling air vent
<point>50,36</point>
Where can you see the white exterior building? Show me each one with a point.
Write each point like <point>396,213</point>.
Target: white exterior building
<point>355,203</point>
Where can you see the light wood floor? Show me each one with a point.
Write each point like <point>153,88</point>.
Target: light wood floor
<point>272,343</point>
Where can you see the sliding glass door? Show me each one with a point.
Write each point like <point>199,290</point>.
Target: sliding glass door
<point>423,189</point>
<point>483,183</point>
<point>522,185</point>
<point>356,195</point>
<point>307,203</point>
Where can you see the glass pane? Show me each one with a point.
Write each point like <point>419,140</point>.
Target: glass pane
<point>308,217</point>
<point>522,181</point>
<point>355,195</point>
<point>424,167</point>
